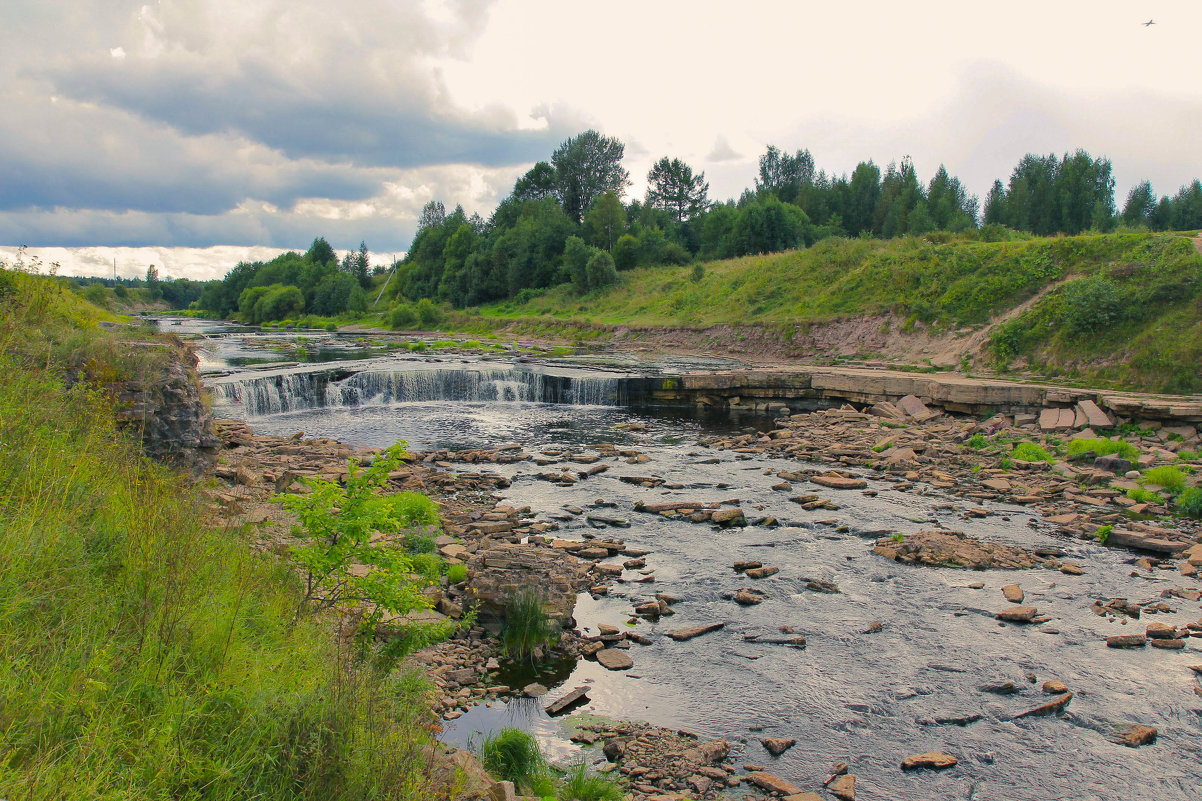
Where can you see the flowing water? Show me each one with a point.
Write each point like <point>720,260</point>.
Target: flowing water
<point>868,699</point>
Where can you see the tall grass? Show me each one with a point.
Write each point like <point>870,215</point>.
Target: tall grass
<point>582,785</point>
<point>527,626</point>
<point>1104,447</point>
<point>513,755</point>
<point>143,655</point>
<point>1167,476</point>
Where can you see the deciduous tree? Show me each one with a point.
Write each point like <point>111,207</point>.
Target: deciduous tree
<point>587,166</point>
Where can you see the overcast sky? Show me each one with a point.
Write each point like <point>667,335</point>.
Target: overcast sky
<point>184,125</point>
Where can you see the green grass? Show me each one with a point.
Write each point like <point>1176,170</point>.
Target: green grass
<point>1030,452</point>
<point>513,755</point>
<point>456,574</point>
<point>1167,476</point>
<point>143,655</point>
<point>527,626</point>
<point>1144,496</point>
<point>1104,447</point>
<point>1150,337</point>
<point>580,784</point>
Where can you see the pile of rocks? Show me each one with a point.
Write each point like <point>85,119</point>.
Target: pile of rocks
<point>656,761</point>
<point>955,549</point>
<point>915,449</point>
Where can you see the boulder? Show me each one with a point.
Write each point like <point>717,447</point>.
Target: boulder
<point>777,745</point>
<point>1113,464</point>
<point>497,573</point>
<point>913,406</point>
<point>728,517</point>
<point>1138,735</point>
<point>844,787</point>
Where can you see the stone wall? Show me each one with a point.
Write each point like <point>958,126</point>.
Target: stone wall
<point>166,412</point>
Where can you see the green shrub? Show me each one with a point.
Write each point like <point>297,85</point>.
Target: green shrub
<point>1030,452</point>
<point>1104,447</point>
<point>526,625</point>
<point>1189,502</point>
<point>416,542</point>
<point>427,565</point>
<point>513,755</point>
<point>600,270</point>
<point>1143,496</point>
<point>976,441</point>
<point>402,317</point>
<point>428,314</point>
<point>456,574</point>
<point>582,785</point>
<point>338,521</point>
<point>1167,476</point>
<point>1092,304</point>
<point>1103,534</point>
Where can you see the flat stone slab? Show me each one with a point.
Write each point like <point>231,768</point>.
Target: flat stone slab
<point>954,549</point>
<point>1094,416</point>
<point>1050,708</point>
<point>575,696</point>
<point>680,635</point>
<point>1018,614</point>
<point>773,784</point>
<point>933,760</point>
<point>840,482</point>
<point>615,659</point>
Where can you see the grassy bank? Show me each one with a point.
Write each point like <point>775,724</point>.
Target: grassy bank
<point>142,654</point>
<point>1147,336</point>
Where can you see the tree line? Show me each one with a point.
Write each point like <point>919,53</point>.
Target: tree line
<point>567,220</point>
<point>292,284</point>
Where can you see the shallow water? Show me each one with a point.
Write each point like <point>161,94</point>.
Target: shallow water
<point>865,699</point>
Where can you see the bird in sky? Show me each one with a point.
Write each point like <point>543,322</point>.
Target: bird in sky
<point>1149,22</point>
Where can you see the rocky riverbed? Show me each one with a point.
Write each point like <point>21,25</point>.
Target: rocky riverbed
<point>933,511</point>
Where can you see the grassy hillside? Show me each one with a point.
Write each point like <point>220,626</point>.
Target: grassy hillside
<point>143,655</point>
<point>1147,336</point>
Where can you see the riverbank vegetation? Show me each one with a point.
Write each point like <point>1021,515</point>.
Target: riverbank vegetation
<point>142,654</point>
<point>802,246</point>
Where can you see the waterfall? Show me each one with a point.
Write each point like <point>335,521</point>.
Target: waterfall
<point>261,395</point>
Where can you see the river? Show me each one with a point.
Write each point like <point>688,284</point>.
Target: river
<point>867,698</point>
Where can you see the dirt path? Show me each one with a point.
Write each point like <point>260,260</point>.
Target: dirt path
<point>955,349</point>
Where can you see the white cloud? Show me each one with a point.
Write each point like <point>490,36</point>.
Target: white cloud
<point>240,122</point>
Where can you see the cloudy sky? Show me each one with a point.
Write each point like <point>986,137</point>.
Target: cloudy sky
<point>187,132</point>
